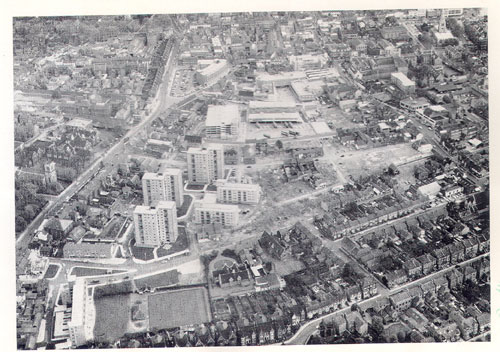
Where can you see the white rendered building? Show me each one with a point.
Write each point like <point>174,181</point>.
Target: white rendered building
<point>157,225</point>
<point>222,121</point>
<point>205,164</point>
<point>239,193</point>
<point>164,185</point>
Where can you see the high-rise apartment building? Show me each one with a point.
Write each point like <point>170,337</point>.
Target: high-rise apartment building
<point>205,164</point>
<point>156,225</point>
<point>164,185</point>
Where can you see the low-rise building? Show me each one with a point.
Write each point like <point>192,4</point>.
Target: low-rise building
<point>208,211</point>
<point>222,121</point>
<point>239,193</point>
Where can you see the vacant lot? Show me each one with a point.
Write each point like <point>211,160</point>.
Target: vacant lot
<point>358,163</point>
<point>178,308</point>
<point>112,316</point>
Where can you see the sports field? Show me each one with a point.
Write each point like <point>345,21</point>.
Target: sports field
<point>178,308</point>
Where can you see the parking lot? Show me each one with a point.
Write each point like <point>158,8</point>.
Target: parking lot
<point>183,83</point>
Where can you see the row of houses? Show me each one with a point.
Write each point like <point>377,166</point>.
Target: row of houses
<point>329,226</point>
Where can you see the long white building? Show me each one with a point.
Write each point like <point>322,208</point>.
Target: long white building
<point>239,193</point>
<point>155,226</point>
<point>222,121</point>
<point>207,211</point>
<point>80,326</point>
<point>164,185</point>
<point>205,164</point>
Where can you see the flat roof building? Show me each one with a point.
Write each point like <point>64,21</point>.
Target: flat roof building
<point>207,211</point>
<point>205,164</point>
<point>79,325</point>
<point>403,82</point>
<point>211,71</point>
<point>155,226</point>
<point>222,121</point>
<point>237,192</point>
<point>306,91</point>
<point>164,185</point>
<point>279,80</point>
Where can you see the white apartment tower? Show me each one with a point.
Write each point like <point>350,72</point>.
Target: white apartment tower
<point>206,164</point>
<point>164,185</point>
<point>157,225</point>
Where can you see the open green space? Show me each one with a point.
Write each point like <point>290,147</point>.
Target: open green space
<point>193,187</point>
<point>51,271</point>
<point>112,316</point>
<point>180,244</point>
<point>158,280</point>
<point>142,253</point>
<point>171,309</point>
<point>82,271</point>
<point>185,206</point>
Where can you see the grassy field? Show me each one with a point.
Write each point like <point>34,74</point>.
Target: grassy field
<point>112,316</point>
<point>180,244</point>
<point>178,308</point>
<point>186,202</point>
<point>159,280</point>
<point>142,253</point>
<point>82,271</point>
<point>51,271</point>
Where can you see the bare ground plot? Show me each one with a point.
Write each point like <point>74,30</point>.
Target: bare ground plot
<point>275,188</point>
<point>406,175</point>
<point>178,308</point>
<point>284,267</point>
<point>338,118</point>
<point>369,161</point>
<point>112,317</point>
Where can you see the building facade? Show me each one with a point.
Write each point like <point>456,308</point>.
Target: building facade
<point>205,164</point>
<point>166,185</point>
<point>239,193</point>
<point>155,226</point>
<point>213,213</point>
<point>222,121</point>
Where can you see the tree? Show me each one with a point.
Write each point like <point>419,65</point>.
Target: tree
<point>279,144</point>
<point>377,325</point>
<point>20,223</point>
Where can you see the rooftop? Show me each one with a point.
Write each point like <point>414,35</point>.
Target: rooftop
<point>222,115</point>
